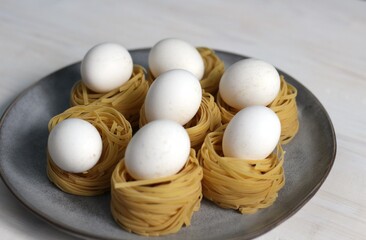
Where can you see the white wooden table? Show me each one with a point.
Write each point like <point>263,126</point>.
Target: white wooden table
<point>320,43</point>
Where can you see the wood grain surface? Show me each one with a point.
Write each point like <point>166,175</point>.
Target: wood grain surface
<point>320,43</point>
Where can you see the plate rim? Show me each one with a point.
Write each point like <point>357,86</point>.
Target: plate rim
<point>257,233</point>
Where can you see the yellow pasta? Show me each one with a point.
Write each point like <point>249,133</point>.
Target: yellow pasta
<point>284,105</point>
<point>158,206</point>
<point>127,99</point>
<point>244,185</point>
<point>115,131</point>
<point>214,68</point>
<point>206,120</point>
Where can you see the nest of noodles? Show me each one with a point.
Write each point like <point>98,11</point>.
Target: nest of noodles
<point>115,131</point>
<point>206,120</point>
<point>243,185</point>
<point>159,206</point>
<point>214,69</point>
<point>284,105</point>
<point>127,99</point>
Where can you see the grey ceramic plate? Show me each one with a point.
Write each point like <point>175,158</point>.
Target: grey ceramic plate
<point>23,139</point>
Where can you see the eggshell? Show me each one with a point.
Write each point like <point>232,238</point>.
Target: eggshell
<point>159,149</point>
<point>75,145</point>
<point>174,53</point>
<point>252,134</point>
<point>106,66</point>
<point>175,95</point>
<point>249,82</point>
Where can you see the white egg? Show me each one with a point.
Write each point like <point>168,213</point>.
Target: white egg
<point>159,149</point>
<point>106,66</point>
<point>175,95</point>
<point>173,53</point>
<point>75,145</point>
<point>252,134</point>
<point>249,82</point>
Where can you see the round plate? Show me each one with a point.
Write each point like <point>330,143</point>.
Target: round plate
<point>23,140</point>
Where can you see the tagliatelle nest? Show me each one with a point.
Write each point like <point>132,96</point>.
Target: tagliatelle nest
<point>214,69</point>
<point>243,185</point>
<point>206,120</point>
<point>127,99</point>
<point>115,131</point>
<point>159,206</point>
<point>284,105</point>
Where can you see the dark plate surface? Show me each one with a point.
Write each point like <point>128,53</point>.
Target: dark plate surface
<point>23,139</point>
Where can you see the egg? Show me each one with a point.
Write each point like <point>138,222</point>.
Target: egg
<point>173,53</point>
<point>159,149</point>
<point>252,134</point>
<point>249,82</point>
<point>105,67</point>
<point>75,145</point>
<point>175,95</point>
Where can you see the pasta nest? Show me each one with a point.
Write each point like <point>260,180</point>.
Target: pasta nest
<point>158,206</point>
<point>244,185</point>
<point>214,69</point>
<point>115,131</point>
<point>284,105</point>
<point>127,99</point>
<point>206,120</point>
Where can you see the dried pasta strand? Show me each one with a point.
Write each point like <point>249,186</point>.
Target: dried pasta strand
<point>115,131</point>
<point>244,185</point>
<point>284,105</point>
<point>158,206</point>
<point>127,99</point>
<point>214,69</point>
<point>206,120</point>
